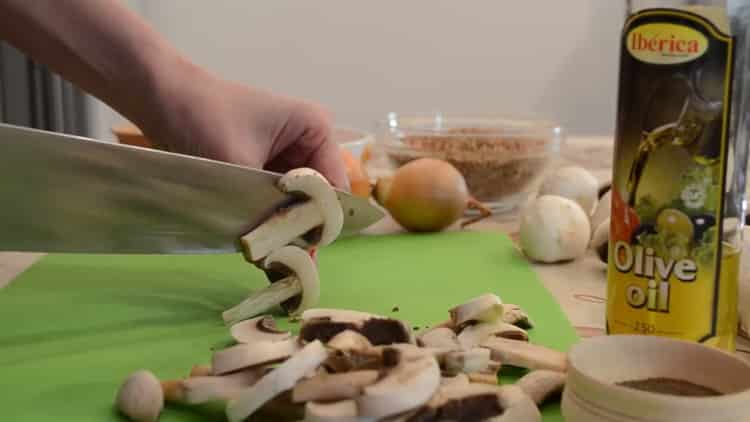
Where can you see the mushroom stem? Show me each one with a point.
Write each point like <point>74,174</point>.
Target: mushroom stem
<point>262,300</point>
<point>281,229</point>
<point>525,355</point>
<point>484,212</point>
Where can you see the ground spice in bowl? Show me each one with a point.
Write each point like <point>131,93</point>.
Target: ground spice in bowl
<point>501,162</point>
<point>671,386</point>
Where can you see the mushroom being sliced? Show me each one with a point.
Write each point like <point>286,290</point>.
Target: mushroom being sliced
<point>477,402</point>
<point>542,384</point>
<point>244,356</point>
<point>440,337</point>
<point>473,335</point>
<point>297,224</point>
<point>525,355</point>
<point>333,387</point>
<point>407,386</point>
<point>261,328</point>
<point>485,308</point>
<point>282,378</point>
<point>302,281</point>
<point>203,389</point>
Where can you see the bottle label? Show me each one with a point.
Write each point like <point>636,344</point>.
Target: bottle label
<point>666,258</point>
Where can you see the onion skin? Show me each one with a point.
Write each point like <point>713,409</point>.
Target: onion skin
<point>425,195</point>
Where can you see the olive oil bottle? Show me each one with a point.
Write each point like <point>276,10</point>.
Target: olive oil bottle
<point>679,170</point>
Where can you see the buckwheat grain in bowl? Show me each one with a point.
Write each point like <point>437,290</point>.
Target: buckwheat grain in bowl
<point>503,160</point>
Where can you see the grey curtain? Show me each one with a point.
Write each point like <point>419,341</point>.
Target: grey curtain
<point>33,96</point>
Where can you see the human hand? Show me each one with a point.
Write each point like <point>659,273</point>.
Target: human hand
<point>213,118</point>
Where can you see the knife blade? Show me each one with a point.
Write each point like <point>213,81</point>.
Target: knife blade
<point>63,193</point>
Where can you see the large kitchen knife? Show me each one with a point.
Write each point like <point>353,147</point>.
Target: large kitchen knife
<point>61,193</point>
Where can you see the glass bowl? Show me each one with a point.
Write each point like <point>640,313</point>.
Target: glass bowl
<point>502,159</point>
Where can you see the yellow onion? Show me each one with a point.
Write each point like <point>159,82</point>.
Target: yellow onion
<point>427,195</point>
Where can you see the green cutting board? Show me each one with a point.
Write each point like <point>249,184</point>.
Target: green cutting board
<point>72,327</point>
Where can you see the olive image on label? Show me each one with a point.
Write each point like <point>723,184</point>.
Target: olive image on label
<point>672,270</point>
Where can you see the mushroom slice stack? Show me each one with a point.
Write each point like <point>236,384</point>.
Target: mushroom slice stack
<point>323,326</point>
<point>279,380</point>
<point>316,221</point>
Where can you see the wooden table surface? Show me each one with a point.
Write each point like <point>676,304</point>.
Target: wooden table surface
<point>579,286</point>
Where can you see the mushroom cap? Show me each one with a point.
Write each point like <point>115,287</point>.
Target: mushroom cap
<point>140,397</point>
<point>313,185</point>
<point>574,183</point>
<point>301,265</point>
<point>554,229</point>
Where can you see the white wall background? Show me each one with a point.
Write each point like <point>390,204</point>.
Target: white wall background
<point>556,59</point>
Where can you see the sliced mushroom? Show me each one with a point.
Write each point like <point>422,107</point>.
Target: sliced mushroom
<point>407,386</point>
<point>513,314</point>
<point>478,402</point>
<point>201,371</point>
<point>525,355</point>
<point>338,315</point>
<point>485,308</point>
<point>542,384</point>
<point>333,387</point>
<point>466,361</point>
<point>483,378</point>
<point>203,389</point>
<point>302,280</point>
<point>457,381</point>
<point>257,329</point>
<point>473,335</point>
<point>244,356</point>
<point>140,397</point>
<point>349,340</point>
<point>378,331</point>
<point>297,224</point>
<point>440,337</point>
<point>340,411</point>
<point>277,381</point>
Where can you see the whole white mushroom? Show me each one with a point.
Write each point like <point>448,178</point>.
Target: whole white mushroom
<point>574,183</point>
<point>554,229</point>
